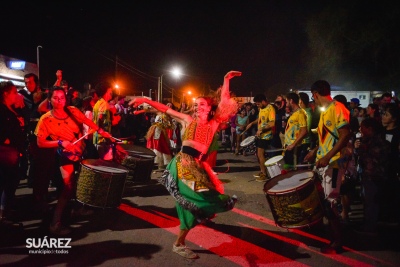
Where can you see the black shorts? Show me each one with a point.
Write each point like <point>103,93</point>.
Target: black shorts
<point>262,143</point>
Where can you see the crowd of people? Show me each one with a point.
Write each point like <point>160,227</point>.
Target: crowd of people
<point>50,132</point>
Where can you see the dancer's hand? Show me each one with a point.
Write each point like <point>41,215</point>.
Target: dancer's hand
<point>137,102</point>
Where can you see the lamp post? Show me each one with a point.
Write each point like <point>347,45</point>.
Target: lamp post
<point>176,72</point>
<point>160,88</point>
<point>37,59</point>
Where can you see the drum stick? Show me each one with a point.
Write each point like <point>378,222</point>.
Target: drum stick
<point>304,165</point>
<point>119,140</point>
<point>244,131</point>
<point>81,138</point>
<point>275,150</point>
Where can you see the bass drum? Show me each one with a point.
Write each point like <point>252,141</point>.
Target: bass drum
<point>294,199</point>
<point>139,160</point>
<point>101,183</point>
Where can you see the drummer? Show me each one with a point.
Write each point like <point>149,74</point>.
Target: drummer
<point>295,132</point>
<point>333,136</point>
<point>61,127</point>
<point>266,123</point>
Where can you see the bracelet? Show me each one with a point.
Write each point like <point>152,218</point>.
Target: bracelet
<point>59,142</point>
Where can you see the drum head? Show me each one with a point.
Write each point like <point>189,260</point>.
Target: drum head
<point>104,166</point>
<point>248,141</point>
<point>273,160</point>
<point>288,181</point>
<point>138,151</point>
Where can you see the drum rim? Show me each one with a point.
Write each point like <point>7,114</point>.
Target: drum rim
<point>121,167</point>
<point>101,171</point>
<point>270,164</point>
<point>286,190</point>
<point>247,143</point>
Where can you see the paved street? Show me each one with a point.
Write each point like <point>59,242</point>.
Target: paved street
<point>141,232</point>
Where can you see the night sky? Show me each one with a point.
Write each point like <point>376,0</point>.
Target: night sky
<point>140,40</point>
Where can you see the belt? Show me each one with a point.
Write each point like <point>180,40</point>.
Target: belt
<point>194,153</point>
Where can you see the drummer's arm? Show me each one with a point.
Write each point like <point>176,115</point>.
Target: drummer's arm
<point>310,157</point>
<point>96,128</point>
<point>303,132</point>
<point>251,124</point>
<point>44,143</point>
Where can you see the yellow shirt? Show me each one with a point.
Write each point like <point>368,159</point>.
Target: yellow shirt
<point>101,107</point>
<point>333,118</point>
<point>296,121</point>
<point>265,116</point>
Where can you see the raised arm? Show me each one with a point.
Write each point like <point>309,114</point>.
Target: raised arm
<point>227,106</point>
<point>180,117</point>
<point>225,87</point>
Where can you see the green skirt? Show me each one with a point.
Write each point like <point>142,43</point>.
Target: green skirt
<point>210,202</point>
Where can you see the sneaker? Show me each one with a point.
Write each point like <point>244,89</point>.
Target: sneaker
<point>59,229</point>
<point>332,248</point>
<point>261,178</point>
<point>184,251</point>
<point>258,174</point>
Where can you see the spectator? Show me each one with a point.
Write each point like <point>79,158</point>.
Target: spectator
<point>386,98</point>
<point>75,100</point>
<point>11,145</point>
<point>242,120</point>
<point>354,103</point>
<point>391,199</point>
<point>362,114</point>
<point>252,113</point>
<point>373,153</point>
<point>373,112</point>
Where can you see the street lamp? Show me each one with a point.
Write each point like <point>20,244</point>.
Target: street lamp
<point>37,59</point>
<point>176,72</point>
<point>183,96</point>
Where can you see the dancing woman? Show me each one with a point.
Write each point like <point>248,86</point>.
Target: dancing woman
<point>62,127</point>
<point>188,177</point>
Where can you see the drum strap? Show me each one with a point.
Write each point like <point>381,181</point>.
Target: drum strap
<point>194,153</point>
